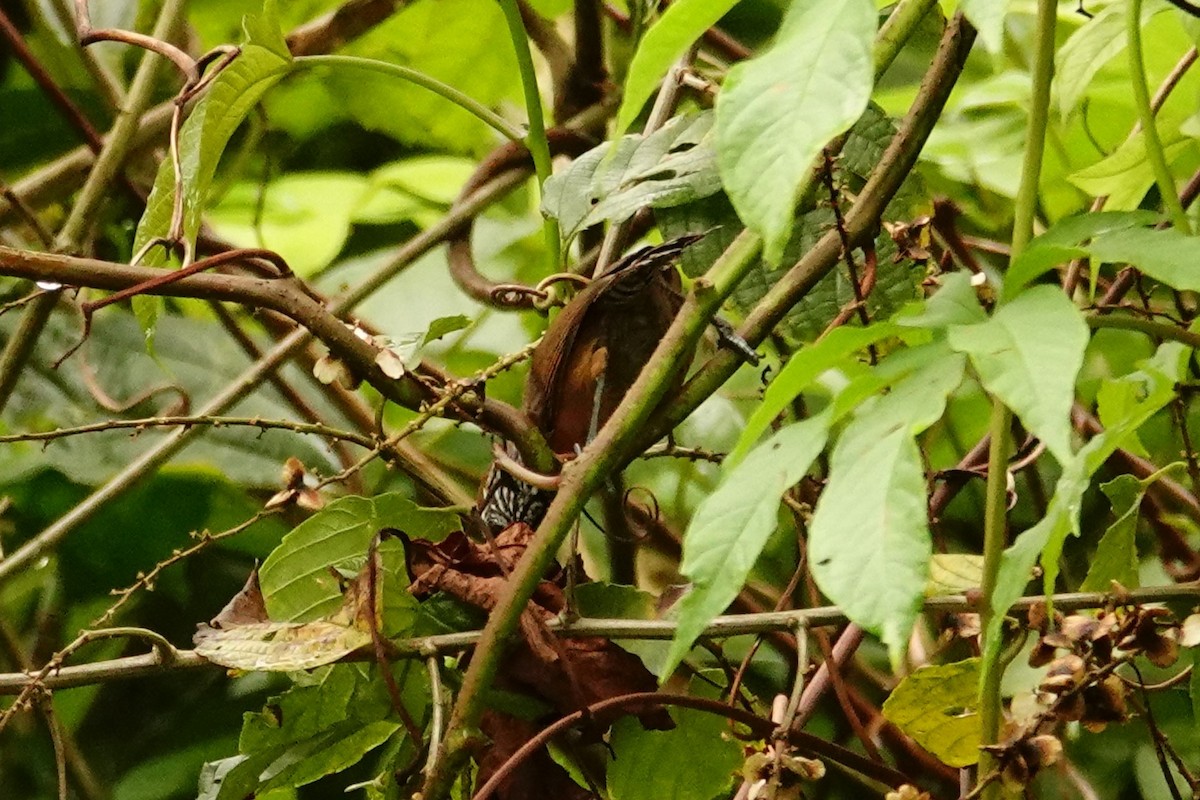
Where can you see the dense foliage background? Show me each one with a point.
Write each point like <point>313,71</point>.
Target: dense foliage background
<point>955,241</point>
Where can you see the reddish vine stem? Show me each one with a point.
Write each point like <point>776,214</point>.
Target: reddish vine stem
<point>759,727</point>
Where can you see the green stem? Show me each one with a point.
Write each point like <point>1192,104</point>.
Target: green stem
<point>463,101</point>
<point>1149,327</point>
<point>535,140</point>
<point>994,540</point>
<point>995,522</point>
<point>897,30</point>
<point>1141,97</point>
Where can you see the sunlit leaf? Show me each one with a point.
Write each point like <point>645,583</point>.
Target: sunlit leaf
<point>1089,48</point>
<point>667,39</point>
<point>953,573</point>
<point>869,540</point>
<point>1126,175</point>
<point>776,111</point>
<point>937,705</point>
<point>988,17</point>
<point>1028,355</point>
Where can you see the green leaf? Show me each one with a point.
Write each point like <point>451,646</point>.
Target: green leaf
<point>988,17</point>
<point>937,705</point>
<point>667,39</point>
<point>953,573</point>
<point>1114,400</point>
<point>695,761</point>
<point>801,370</point>
<point>340,748</point>
<point>1046,539</point>
<point>869,542</point>
<point>1028,355</point>
<point>1126,174</point>
<point>730,527</point>
<point>614,601</point>
<point>204,135</point>
<point>955,303</point>
<point>444,326</point>
<point>434,178</point>
<point>674,165</point>
<point>192,356</point>
<point>298,580</point>
<point>1116,554</point>
<point>1089,48</point>
<point>776,111</point>
<point>305,217</point>
<point>1065,240</point>
<point>463,43</point>
<point>1167,255</point>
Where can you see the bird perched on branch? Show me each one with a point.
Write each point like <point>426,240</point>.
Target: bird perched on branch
<point>588,359</point>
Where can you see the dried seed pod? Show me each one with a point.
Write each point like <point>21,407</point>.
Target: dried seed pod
<point>1064,674</point>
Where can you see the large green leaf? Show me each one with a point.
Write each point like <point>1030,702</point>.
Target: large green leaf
<point>1046,539</point>
<point>776,111</point>
<point>305,217</point>
<point>681,24</point>
<point>731,526</point>
<point>1165,254</point>
<point>674,165</point>
<point>299,580</point>
<point>869,541</point>
<point>1028,355</point>
<point>694,761</point>
<point>937,706</point>
<point>463,43</point>
<point>955,303</point>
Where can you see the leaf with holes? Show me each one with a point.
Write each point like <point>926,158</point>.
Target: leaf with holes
<point>937,706</point>
<point>674,165</point>
<point>776,111</point>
